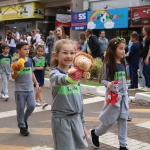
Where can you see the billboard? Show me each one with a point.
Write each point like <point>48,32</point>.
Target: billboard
<point>140,16</point>
<point>108,19</point>
<point>22,11</point>
<point>63,20</point>
<point>79,21</point>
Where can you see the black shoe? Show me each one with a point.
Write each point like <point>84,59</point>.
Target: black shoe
<point>129,118</point>
<point>131,88</point>
<point>26,124</point>
<point>123,148</point>
<point>24,131</point>
<point>94,139</point>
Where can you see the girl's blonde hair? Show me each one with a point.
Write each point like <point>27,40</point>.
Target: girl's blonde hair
<point>57,46</point>
<point>39,46</point>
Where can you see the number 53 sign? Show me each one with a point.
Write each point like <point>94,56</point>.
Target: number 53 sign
<point>79,20</point>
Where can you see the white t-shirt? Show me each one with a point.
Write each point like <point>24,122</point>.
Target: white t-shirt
<point>23,40</point>
<point>12,42</point>
<point>37,37</point>
<point>29,39</point>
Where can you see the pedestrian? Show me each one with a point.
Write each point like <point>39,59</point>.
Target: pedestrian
<point>1,41</point>
<point>49,44</point>
<point>146,56</point>
<point>82,42</point>
<point>103,43</point>
<point>113,70</point>
<point>40,65</point>
<point>5,70</point>
<point>68,125</point>
<point>134,57</point>
<point>59,33</point>
<point>24,91</point>
<point>11,39</point>
<point>93,45</point>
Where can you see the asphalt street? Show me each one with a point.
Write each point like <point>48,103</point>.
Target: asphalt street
<point>40,125</point>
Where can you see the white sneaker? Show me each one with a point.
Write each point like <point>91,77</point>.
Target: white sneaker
<point>44,105</point>
<point>6,97</point>
<point>37,104</point>
<point>2,96</point>
<point>146,89</point>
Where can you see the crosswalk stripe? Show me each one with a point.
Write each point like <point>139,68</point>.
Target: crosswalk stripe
<point>112,140</point>
<point>39,109</point>
<point>144,125</point>
<point>41,148</point>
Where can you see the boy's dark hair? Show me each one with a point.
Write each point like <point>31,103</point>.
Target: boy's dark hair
<point>21,44</point>
<point>135,35</point>
<point>3,46</point>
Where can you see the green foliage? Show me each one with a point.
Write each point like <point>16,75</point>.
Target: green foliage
<point>97,68</point>
<point>90,82</point>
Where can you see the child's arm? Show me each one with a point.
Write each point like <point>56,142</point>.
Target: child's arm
<point>57,78</point>
<point>35,81</point>
<point>104,79</point>
<point>38,68</point>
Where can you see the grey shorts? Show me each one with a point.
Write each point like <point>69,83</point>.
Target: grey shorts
<point>68,133</point>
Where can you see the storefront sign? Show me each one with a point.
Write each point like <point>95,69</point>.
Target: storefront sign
<point>63,20</point>
<point>22,11</point>
<point>140,16</point>
<point>108,19</point>
<point>79,21</point>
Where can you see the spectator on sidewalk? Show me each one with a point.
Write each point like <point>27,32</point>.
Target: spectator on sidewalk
<point>93,45</point>
<point>11,39</point>
<point>49,44</point>
<point>82,42</point>
<point>1,41</point>
<point>59,33</point>
<point>5,70</point>
<point>140,39</point>
<point>146,56</point>
<point>134,56</point>
<point>103,43</point>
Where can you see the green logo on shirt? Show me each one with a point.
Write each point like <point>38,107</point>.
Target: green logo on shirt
<point>26,70</point>
<point>70,89</point>
<point>120,75</point>
<point>40,63</point>
<point>5,60</point>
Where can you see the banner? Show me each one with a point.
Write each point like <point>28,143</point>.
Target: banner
<point>108,19</point>
<point>22,11</point>
<point>140,16</point>
<point>63,20</point>
<point>79,21</point>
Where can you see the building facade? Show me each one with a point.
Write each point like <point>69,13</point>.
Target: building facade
<point>115,4</point>
<point>27,15</point>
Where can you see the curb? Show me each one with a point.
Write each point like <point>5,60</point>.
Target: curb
<point>143,97</point>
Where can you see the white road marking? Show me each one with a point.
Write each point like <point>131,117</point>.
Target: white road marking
<point>144,125</point>
<point>41,148</point>
<point>39,109</point>
<point>112,140</point>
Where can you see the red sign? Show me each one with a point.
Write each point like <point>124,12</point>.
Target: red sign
<point>63,20</point>
<point>140,16</point>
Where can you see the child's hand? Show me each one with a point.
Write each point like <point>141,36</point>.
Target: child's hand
<point>41,68</point>
<point>109,85</point>
<point>86,136</point>
<point>37,88</point>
